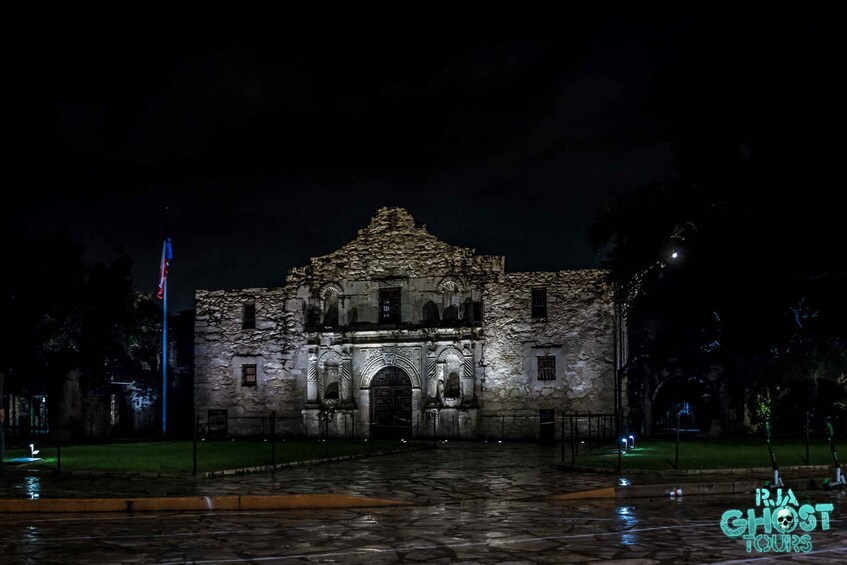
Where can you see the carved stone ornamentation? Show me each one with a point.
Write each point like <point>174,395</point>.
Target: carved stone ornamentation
<point>407,358</point>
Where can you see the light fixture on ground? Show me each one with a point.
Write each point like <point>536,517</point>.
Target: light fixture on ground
<point>632,441</point>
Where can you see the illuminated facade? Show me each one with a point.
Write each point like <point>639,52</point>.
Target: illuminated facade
<point>400,334</point>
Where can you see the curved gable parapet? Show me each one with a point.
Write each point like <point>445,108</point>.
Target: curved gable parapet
<point>394,245</point>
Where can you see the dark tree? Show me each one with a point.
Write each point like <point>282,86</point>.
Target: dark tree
<point>751,213</point>
<point>65,315</point>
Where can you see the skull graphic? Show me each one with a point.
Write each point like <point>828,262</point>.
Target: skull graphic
<point>785,520</point>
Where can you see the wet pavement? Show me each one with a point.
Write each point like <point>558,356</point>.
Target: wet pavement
<point>468,503</point>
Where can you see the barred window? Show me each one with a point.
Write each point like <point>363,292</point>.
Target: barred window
<point>547,368</point>
<point>539,302</point>
<point>248,375</point>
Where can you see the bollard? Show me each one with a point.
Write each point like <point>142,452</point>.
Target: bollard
<point>573,450</point>
<point>434,435</point>
<point>617,441</point>
<point>563,440</point>
<point>676,454</point>
<point>807,437</point>
<point>502,428</point>
<point>194,445</point>
<point>576,440</point>
<point>273,440</point>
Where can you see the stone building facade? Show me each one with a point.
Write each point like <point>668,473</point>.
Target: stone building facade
<point>399,333</point>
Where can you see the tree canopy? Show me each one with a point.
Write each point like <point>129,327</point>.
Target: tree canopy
<point>68,315</point>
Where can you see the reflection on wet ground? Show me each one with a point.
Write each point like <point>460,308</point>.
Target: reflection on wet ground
<point>471,503</point>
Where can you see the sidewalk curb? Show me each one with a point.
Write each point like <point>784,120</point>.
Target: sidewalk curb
<point>687,472</point>
<point>262,468</point>
<point>661,491</point>
<point>193,503</point>
<point>214,474</point>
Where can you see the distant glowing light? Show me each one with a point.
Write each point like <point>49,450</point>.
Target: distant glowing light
<point>674,255</point>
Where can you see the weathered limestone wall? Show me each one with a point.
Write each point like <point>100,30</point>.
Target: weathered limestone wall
<point>221,346</point>
<point>578,331</point>
<point>394,246</point>
<point>319,340</point>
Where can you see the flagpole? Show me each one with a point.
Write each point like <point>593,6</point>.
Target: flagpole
<point>165,260</point>
<point>165,358</point>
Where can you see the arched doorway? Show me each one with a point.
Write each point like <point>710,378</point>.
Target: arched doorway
<point>391,404</point>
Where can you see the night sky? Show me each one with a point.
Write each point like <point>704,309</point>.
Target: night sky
<point>274,141</point>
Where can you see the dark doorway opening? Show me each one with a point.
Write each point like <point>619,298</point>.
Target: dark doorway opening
<point>391,404</point>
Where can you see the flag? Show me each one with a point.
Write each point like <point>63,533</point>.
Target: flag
<point>167,256</point>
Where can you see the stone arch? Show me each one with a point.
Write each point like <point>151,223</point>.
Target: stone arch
<point>448,372</point>
<point>451,289</point>
<point>451,352</point>
<point>329,371</point>
<point>376,362</point>
<point>330,356</point>
<point>330,288</point>
<point>330,298</point>
<point>450,283</point>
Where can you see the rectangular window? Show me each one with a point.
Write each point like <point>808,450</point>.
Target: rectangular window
<point>389,305</point>
<point>248,375</point>
<point>248,319</point>
<point>547,368</point>
<point>539,302</point>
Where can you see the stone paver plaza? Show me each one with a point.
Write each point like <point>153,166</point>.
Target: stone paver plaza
<point>468,503</point>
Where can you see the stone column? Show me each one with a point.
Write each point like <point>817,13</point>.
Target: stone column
<point>346,384</point>
<point>467,380</point>
<point>312,381</point>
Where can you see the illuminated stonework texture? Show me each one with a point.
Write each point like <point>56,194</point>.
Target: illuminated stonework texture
<point>399,334</point>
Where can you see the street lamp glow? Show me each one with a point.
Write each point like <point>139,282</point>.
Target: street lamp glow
<point>675,255</point>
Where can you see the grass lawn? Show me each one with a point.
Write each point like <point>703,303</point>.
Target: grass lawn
<point>710,454</point>
<point>176,456</point>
